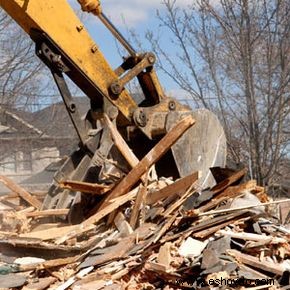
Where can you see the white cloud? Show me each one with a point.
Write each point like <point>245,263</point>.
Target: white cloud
<point>133,12</point>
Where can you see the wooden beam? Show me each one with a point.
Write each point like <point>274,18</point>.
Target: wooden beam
<point>180,201</point>
<point>230,192</point>
<point>49,264</point>
<point>274,268</point>
<point>121,143</point>
<point>151,158</point>
<point>50,234</point>
<point>165,227</point>
<point>228,181</point>
<point>20,191</point>
<point>252,237</point>
<point>141,196</point>
<point>181,184</point>
<point>229,210</point>
<point>113,205</point>
<point>136,208</point>
<point>49,212</point>
<point>86,187</point>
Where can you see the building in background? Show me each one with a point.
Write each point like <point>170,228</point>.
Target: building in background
<point>32,141</point>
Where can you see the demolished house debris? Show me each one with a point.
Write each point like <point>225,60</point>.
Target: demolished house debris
<point>148,233</point>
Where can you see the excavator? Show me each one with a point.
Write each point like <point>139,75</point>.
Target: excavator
<point>63,43</point>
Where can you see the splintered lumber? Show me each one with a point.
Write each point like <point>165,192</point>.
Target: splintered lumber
<point>252,237</point>
<point>228,210</point>
<point>42,283</point>
<point>48,212</point>
<point>121,144</point>
<point>178,186</point>
<point>230,192</point>
<point>256,263</point>
<point>164,255</point>
<point>49,234</point>
<point>138,203</point>
<point>20,191</point>
<point>228,181</point>
<point>207,224</point>
<point>165,227</point>
<point>114,204</point>
<point>49,264</point>
<point>111,253</point>
<point>210,231</point>
<point>88,223</point>
<point>180,201</point>
<point>151,158</point>
<point>122,225</point>
<point>85,187</point>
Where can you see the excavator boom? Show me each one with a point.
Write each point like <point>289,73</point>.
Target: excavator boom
<point>56,20</point>
<point>65,46</point>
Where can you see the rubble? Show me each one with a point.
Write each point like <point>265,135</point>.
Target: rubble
<point>145,236</point>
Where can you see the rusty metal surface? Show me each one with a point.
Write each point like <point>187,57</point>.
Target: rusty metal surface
<point>152,120</point>
<point>201,147</point>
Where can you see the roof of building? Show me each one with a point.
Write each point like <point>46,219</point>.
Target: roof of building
<point>55,121</point>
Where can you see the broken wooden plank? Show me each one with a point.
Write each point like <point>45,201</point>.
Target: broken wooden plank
<point>165,227</point>
<point>49,264</point>
<point>122,225</point>
<point>20,191</point>
<point>111,253</point>
<point>180,201</point>
<point>164,255</point>
<point>256,263</point>
<point>252,237</point>
<point>42,283</point>
<point>121,144</point>
<point>228,210</point>
<point>85,187</point>
<point>49,212</point>
<point>212,230</point>
<point>138,203</point>
<point>51,233</point>
<point>228,181</point>
<point>113,205</point>
<point>202,225</point>
<point>230,192</point>
<point>181,184</point>
<point>151,158</point>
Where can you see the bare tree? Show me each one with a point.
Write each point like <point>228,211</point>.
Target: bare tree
<point>233,58</point>
<point>23,81</point>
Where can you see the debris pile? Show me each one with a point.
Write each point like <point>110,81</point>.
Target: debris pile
<point>158,234</point>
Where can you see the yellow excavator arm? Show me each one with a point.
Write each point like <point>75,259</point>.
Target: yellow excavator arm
<point>58,22</point>
<point>65,46</point>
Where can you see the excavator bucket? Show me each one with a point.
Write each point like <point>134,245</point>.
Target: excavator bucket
<point>203,146</point>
